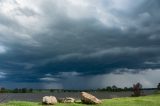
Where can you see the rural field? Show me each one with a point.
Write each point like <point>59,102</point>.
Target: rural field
<point>152,100</point>
<point>109,99</point>
<point>37,97</point>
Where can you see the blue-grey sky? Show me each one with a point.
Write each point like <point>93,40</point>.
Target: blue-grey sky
<point>79,44</point>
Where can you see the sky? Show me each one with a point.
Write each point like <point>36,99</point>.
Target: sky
<point>79,44</point>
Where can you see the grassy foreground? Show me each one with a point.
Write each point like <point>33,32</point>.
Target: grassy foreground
<point>153,100</point>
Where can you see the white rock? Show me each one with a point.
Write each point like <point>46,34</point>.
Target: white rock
<point>50,100</point>
<point>89,99</point>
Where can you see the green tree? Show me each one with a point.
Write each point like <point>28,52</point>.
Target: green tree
<point>137,89</point>
<point>158,86</point>
<point>24,90</point>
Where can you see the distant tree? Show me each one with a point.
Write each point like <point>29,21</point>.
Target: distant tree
<point>39,90</point>
<point>3,90</point>
<point>51,90</point>
<point>131,89</point>
<point>30,90</point>
<point>109,88</point>
<point>16,90</point>
<point>119,89</point>
<point>98,89</point>
<point>114,88</point>
<point>24,90</point>
<point>19,90</point>
<point>158,86</point>
<point>125,89</point>
<point>137,89</point>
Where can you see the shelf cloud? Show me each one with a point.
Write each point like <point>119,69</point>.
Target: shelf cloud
<point>43,42</point>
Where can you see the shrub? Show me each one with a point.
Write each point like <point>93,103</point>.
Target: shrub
<point>137,89</point>
<point>158,86</point>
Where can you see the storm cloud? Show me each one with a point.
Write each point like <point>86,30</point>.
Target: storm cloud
<point>61,42</point>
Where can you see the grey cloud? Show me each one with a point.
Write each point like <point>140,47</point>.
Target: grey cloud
<point>85,37</point>
<point>26,11</point>
<point>2,75</point>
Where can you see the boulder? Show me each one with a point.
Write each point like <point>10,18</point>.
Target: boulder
<point>87,98</point>
<point>66,100</point>
<point>49,100</point>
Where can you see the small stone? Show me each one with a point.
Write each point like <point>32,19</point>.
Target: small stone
<point>66,100</point>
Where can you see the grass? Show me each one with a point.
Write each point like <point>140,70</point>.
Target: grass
<point>153,100</point>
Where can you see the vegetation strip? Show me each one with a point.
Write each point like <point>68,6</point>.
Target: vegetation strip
<point>153,100</point>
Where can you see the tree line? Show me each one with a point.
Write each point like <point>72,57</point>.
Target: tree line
<point>136,88</point>
<point>16,90</point>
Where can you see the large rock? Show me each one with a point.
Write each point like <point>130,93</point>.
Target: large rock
<point>49,100</point>
<point>66,100</point>
<point>87,98</point>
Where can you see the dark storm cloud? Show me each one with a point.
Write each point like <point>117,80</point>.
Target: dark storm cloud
<point>83,37</point>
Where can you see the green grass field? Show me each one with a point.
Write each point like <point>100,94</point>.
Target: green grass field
<point>153,100</point>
